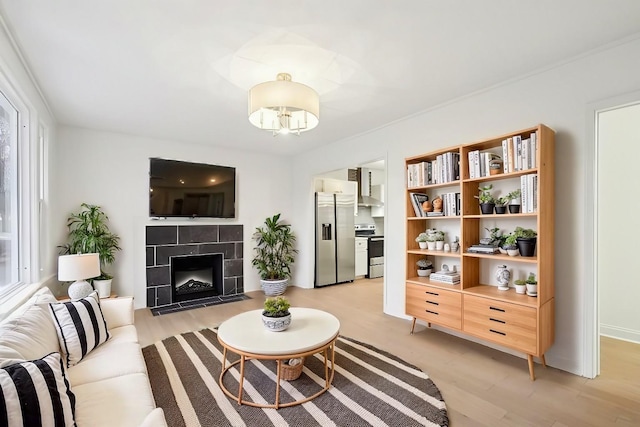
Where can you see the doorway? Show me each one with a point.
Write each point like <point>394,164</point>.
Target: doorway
<point>617,201</point>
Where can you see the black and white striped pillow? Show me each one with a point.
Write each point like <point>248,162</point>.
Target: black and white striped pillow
<point>80,326</point>
<point>36,393</point>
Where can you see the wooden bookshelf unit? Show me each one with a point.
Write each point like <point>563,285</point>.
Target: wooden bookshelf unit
<point>475,306</point>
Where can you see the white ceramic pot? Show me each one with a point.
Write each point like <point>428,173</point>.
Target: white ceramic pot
<point>439,245</point>
<point>520,289</point>
<point>431,246</point>
<point>424,273</point>
<point>272,288</point>
<point>532,290</point>
<point>276,324</point>
<point>422,245</point>
<point>513,252</point>
<point>103,287</point>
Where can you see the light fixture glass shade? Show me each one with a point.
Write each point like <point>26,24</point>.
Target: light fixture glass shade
<point>283,106</point>
<point>78,268</point>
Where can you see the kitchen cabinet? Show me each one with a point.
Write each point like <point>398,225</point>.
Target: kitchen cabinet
<point>377,192</point>
<point>361,256</point>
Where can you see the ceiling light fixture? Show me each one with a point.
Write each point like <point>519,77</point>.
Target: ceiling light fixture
<point>283,106</point>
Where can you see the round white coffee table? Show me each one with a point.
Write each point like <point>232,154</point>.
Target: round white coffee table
<point>312,331</point>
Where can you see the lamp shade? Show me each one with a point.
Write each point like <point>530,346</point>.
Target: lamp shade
<point>78,267</point>
<point>284,105</point>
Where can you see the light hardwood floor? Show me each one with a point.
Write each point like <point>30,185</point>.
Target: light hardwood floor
<point>481,386</point>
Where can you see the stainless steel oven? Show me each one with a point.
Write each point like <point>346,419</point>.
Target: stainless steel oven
<point>375,253</point>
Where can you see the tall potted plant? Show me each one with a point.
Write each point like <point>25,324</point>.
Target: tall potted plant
<point>89,233</point>
<point>274,255</point>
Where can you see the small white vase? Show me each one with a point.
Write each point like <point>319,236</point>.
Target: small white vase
<point>439,245</point>
<point>431,246</point>
<point>422,245</point>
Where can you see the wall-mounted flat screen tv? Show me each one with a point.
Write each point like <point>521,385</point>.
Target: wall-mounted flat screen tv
<point>184,189</point>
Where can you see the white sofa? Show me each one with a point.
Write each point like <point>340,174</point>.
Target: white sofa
<point>110,383</point>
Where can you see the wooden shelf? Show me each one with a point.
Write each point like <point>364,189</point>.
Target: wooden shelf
<point>520,322</point>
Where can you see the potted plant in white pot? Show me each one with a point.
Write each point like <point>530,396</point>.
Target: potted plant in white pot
<point>520,285</point>
<point>439,240</point>
<point>431,239</point>
<point>424,267</point>
<point>510,245</point>
<point>89,233</point>
<point>422,240</point>
<point>532,285</point>
<point>274,255</point>
<point>275,315</point>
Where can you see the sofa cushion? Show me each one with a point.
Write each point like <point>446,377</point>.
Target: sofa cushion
<point>107,361</point>
<point>31,335</point>
<point>123,334</point>
<point>121,401</point>
<point>37,390</point>
<point>155,419</point>
<point>80,327</point>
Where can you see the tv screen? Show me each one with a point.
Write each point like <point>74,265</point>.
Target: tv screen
<point>184,189</point>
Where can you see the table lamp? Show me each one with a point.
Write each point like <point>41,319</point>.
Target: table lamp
<point>78,267</point>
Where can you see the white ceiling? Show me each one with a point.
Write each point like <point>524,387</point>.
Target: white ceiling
<point>180,70</point>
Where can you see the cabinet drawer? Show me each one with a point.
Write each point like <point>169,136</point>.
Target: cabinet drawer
<point>434,305</point>
<point>507,324</point>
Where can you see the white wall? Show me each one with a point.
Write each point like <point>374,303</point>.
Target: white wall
<point>557,97</point>
<point>618,151</point>
<point>112,171</point>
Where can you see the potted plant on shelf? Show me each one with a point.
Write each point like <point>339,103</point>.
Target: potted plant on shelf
<point>526,239</point>
<point>487,202</point>
<point>275,315</point>
<point>274,255</point>
<point>424,267</point>
<point>532,285</point>
<point>520,286</point>
<point>510,245</point>
<point>431,239</point>
<point>501,204</point>
<point>439,236</point>
<point>514,196</point>
<point>89,233</point>
<point>422,240</point>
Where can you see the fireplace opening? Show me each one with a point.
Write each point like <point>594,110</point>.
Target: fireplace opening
<point>196,276</point>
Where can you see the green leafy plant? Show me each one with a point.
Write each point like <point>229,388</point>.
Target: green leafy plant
<point>503,201</point>
<point>485,194</point>
<point>89,233</point>
<point>422,237</point>
<point>276,307</point>
<point>531,279</point>
<point>439,235</point>
<point>274,251</point>
<point>514,194</point>
<point>524,233</point>
<point>520,282</point>
<point>509,241</point>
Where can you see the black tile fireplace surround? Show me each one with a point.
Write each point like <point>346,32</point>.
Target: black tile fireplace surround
<point>166,241</point>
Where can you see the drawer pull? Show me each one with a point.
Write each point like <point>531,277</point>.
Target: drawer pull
<point>432,312</point>
<point>501,310</point>
<point>432,302</point>
<point>431,293</point>
<point>497,320</point>
<point>497,332</point>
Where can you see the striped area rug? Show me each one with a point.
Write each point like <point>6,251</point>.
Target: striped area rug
<point>370,387</point>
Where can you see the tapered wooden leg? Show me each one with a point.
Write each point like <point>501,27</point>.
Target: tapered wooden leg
<point>413,325</point>
<point>242,359</point>
<point>544,362</point>
<point>531,374</point>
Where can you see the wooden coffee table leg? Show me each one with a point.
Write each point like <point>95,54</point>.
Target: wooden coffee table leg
<point>279,364</point>
<point>242,359</point>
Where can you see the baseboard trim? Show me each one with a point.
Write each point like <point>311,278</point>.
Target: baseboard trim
<point>619,333</point>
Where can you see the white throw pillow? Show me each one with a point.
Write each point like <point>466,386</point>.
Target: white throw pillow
<point>80,326</point>
<point>36,392</point>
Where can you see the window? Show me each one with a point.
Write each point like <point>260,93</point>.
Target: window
<point>9,212</point>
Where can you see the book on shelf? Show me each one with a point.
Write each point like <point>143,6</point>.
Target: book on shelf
<point>417,199</point>
<point>445,278</point>
<point>483,249</point>
<point>434,213</point>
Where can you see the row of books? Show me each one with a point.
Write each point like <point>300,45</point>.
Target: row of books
<point>479,162</point>
<point>445,168</point>
<point>529,193</point>
<point>519,154</point>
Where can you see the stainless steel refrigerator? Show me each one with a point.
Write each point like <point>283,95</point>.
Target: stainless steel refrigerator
<point>335,239</point>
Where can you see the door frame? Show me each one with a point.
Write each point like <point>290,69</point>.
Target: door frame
<point>591,338</point>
